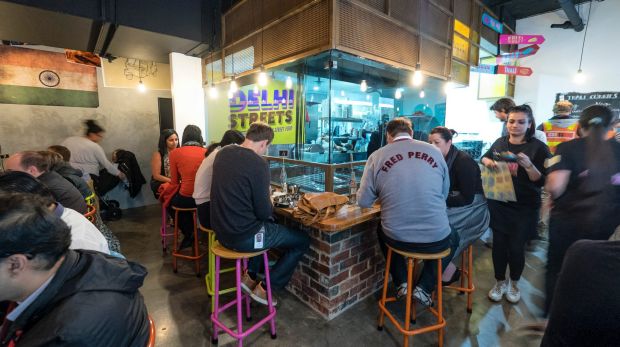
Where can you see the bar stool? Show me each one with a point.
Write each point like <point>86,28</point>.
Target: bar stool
<point>412,259</point>
<point>466,259</point>
<point>175,252</point>
<point>91,213</point>
<point>163,231</point>
<point>210,276</point>
<point>222,252</point>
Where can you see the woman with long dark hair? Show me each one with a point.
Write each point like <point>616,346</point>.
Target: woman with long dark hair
<point>202,183</point>
<point>184,163</point>
<point>513,221</point>
<point>584,182</point>
<point>160,160</point>
<point>467,207</point>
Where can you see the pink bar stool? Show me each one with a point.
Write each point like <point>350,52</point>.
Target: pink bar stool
<point>163,231</point>
<point>223,252</point>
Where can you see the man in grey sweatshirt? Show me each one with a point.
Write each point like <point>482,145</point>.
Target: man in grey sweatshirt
<point>410,180</point>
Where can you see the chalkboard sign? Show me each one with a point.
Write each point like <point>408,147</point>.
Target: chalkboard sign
<point>583,100</point>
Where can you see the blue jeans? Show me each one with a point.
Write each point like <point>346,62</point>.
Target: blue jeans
<point>398,268</point>
<point>294,243</point>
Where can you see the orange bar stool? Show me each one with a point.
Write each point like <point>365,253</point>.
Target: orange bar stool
<point>467,269</point>
<point>91,213</point>
<point>196,255</point>
<point>210,276</point>
<point>152,333</point>
<point>163,231</point>
<point>412,260</point>
<point>240,259</point>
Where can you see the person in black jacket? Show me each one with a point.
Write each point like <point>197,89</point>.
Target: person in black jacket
<point>467,207</point>
<point>66,297</point>
<point>241,211</point>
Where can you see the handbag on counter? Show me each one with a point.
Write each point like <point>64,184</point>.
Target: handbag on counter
<point>313,207</point>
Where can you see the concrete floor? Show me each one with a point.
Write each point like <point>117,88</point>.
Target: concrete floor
<point>179,304</point>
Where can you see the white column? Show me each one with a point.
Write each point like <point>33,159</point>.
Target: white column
<point>187,92</point>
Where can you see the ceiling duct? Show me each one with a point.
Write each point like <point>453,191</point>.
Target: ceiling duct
<point>574,20</point>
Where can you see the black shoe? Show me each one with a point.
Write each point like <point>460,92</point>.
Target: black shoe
<point>187,242</point>
<point>455,277</point>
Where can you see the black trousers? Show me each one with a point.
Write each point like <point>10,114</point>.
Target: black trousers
<point>186,224</point>
<point>511,225</point>
<point>204,214</point>
<point>563,232</point>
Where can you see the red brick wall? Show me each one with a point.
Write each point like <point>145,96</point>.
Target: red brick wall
<point>340,268</point>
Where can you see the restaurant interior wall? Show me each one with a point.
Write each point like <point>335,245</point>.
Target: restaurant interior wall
<point>129,117</point>
<point>556,63</point>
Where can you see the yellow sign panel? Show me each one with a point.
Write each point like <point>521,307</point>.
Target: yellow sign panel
<point>274,105</point>
<point>461,28</point>
<point>460,47</point>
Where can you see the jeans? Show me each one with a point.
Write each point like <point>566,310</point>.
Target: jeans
<point>294,244</point>
<point>186,224</point>
<point>398,267</point>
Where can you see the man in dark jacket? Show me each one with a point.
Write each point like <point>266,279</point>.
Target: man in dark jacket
<point>64,297</point>
<point>37,165</point>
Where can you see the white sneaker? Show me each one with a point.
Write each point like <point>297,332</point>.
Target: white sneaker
<point>421,296</point>
<point>513,295</point>
<point>497,292</point>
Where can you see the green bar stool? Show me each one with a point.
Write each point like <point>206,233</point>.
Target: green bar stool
<point>210,276</point>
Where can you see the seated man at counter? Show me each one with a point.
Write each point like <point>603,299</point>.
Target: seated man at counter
<point>410,180</point>
<point>241,211</point>
<point>35,164</point>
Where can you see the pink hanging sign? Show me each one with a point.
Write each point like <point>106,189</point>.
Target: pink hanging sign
<point>521,39</point>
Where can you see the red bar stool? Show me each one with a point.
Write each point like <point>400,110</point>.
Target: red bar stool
<point>222,252</point>
<point>196,256</point>
<point>163,231</point>
<point>412,260</point>
<point>467,269</point>
<point>152,333</point>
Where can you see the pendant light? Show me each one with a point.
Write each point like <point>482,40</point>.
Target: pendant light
<point>580,77</point>
<point>212,89</point>
<point>233,88</point>
<point>418,78</point>
<point>141,86</point>
<point>263,79</point>
<point>449,85</point>
<point>422,94</point>
<point>398,93</point>
<point>289,82</point>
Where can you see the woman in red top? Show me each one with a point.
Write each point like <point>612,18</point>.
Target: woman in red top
<point>184,163</point>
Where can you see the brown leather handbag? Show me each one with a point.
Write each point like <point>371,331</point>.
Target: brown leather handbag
<point>313,207</point>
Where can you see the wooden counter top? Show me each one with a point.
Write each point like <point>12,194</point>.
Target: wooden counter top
<point>346,217</point>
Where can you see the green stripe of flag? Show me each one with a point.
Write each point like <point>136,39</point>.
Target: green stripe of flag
<point>47,96</point>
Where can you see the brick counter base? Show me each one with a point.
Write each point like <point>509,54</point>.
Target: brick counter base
<point>340,269</point>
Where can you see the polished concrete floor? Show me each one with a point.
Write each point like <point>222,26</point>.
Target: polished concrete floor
<point>179,304</point>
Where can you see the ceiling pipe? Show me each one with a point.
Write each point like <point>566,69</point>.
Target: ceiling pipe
<point>574,20</point>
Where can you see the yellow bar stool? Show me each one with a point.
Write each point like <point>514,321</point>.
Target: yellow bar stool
<point>210,276</point>
<point>412,260</point>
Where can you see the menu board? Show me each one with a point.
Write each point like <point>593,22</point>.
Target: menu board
<point>583,100</point>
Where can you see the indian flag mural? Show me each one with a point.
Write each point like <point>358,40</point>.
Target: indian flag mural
<point>34,77</point>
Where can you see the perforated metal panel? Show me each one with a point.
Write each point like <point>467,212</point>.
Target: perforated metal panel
<point>366,32</point>
<point>251,15</point>
<point>434,58</point>
<point>435,22</point>
<point>302,32</point>
<point>462,11</point>
<point>377,4</point>
<point>405,11</point>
